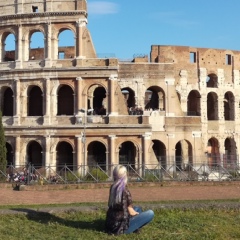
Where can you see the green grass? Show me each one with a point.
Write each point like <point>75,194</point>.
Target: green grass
<point>219,224</point>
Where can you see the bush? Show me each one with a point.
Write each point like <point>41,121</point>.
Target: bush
<point>97,174</point>
<point>72,176</point>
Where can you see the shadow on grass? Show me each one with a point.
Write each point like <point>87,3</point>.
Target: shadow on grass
<point>46,218</point>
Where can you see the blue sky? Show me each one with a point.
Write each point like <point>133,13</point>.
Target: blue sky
<point>123,28</point>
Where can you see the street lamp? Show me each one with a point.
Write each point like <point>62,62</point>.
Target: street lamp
<point>83,134</point>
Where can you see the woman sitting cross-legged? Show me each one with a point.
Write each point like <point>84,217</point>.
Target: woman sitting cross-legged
<point>122,217</point>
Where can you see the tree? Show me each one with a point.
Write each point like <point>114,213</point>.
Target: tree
<point>3,149</point>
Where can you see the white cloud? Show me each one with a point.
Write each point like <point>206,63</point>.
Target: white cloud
<point>102,7</point>
<point>174,18</point>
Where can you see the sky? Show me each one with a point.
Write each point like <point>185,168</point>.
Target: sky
<point>126,28</point>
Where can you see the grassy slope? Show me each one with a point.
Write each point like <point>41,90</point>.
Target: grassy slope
<point>169,223</point>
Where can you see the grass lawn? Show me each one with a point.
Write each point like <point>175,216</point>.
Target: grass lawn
<point>219,224</point>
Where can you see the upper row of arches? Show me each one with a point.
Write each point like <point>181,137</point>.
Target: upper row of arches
<point>36,43</point>
<point>154,98</point>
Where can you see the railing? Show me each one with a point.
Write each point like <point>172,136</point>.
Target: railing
<point>66,174</point>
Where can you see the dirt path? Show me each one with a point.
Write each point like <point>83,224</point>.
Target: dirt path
<point>8,196</point>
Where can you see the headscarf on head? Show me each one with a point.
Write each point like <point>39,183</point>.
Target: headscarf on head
<point>120,181</point>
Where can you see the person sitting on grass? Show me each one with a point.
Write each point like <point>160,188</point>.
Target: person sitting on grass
<point>122,217</point>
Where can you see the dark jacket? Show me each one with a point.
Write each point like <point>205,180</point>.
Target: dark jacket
<point>117,219</point>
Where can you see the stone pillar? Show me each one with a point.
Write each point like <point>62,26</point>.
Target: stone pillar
<point>17,151</point>
<point>48,45</point>
<point>112,147</point>
<point>80,26</point>
<point>80,150</point>
<point>113,158</point>
<point>47,151</point>
<point>170,108</point>
<point>80,103</point>
<point>170,149</point>
<point>17,103</point>
<point>145,143</point>
<point>19,48</point>
<point>112,105</point>
<point>47,116</point>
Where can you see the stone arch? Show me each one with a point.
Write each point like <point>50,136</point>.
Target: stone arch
<point>194,104</point>
<point>10,154</point>
<point>66,50</point>
<point>229,108</point>
<point>27,35</point>
<point>128,153</point>
<point>129,97</point>
<point>230,158</point>
<point>34,101</point>
<point>7,101</point>
<point>183,155</point>
<point>159,152</point>
<point>64,155</point>
<point>212,106</point>
<point>98,100</point>
<point>34,154</point>
<point>8,54</point>
<point>65,100</point>
<point>97,151</point>
<point>213,153</point>
<point>154,98</point>
<point>212,80</point>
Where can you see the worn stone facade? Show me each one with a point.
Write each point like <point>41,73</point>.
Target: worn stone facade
<point>179,107</point>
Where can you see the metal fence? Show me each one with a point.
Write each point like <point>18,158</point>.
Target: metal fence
<point>68,174</point>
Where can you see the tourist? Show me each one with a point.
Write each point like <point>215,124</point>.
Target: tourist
<point>122,217</point>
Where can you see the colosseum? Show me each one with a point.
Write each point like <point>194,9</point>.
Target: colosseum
<point>63,105</point>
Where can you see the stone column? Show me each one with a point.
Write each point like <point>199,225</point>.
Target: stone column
<point>17,152</point>
<point>112,148</point>
<point>47,151</point>
<point>80,26</point>
<point>80,103</point>
<point>112,105</point>
<point>80,150</point>
<point>145,143</point>
<point>47,116</point>
<point>170,150</point>
<point>48,45</point>
<point>19,48</point>
<point>17,103</point>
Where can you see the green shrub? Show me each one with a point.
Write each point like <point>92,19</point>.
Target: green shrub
<point>97,174</point>
<point>72,176</point>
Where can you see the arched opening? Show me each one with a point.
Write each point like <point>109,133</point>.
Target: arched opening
<point>10,159</point>
<point>36,46</point>
<point>212,81</point>
<point>66,44</point>
<point>193,104</point>
<point>64,156</point>
<point>154,98</point>
<point>183,155</point>
<point>97,154</point>
<point>65,100</point>
<point>230,156</point>
<point>99,101</point>
<point>35,101</point>
<point>213,153</point>
<point>127,154</point>
<point>159,151</point>
<point>34,154</point>
<point>9,47</point>
<point>212,106</point>
<point>7,103</point>
<point>228,103</point>
<point>129,97</point>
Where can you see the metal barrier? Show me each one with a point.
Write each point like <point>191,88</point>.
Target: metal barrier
<point>66,174</point>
